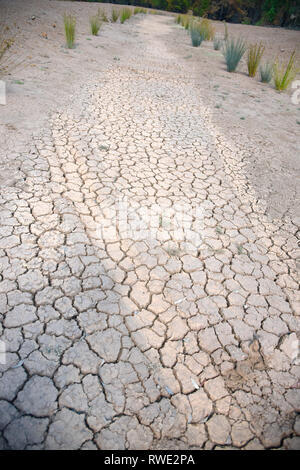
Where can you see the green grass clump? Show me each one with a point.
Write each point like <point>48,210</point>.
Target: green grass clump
<point>196,35</point>
<point>125,15</point>
<point>115,15</point>
<point>255,54</point>
<point>266,72</point>
<point>102,15</point>
<point>95,24</point>
<point>139,10</point>
<point>217,44</point>
<point>178,19</point>
<point>285,74</point>
<point>70,27</point>
<point>233,51</point>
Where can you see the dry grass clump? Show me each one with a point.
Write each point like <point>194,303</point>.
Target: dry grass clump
<point>95,24</point>
<point>255,54</point>
<point>115,15</point>
<point>207,30</point>
<point>284,74</point>
<point>125,14</point>
<point>102,15</point>
<point>5,44</point>
<point>139,10</point>
<point>70,27</point>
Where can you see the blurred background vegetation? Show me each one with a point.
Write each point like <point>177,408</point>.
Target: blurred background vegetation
<point>259,12</point>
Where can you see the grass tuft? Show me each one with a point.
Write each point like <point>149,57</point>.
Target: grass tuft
<point>285,74</point>
<point>207,30</point>
<point>115,15</point>
<point>196,35</point>
<point>70,27</point>
<point>266,72</point>
<point>95,24</point>
<point>217,44</point>
<point>125,15</point>
<point>102,15</point>
<point>255,54</point>
<point>233,51</point>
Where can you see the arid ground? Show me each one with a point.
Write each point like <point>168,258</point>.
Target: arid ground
<point>149,235</point>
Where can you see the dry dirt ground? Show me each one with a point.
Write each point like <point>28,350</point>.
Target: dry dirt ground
<point>178,329</point>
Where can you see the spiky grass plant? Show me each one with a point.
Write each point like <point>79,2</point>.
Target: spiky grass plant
<point>207,30</point>
<point>285,74</point>
<point>233,51</point>
<point>5,44</point>
<point>266,72</point>
<point>70,27</point>
<point>95,24</point>
<point>196,35</point>
<point>255,53</point>
<point>125,15</point>
<point>115,15</point>
<point>102,15</point>
<point>139,10</point>
<point>178,19</point>
<point>186,23</point>
<point>217,44</point>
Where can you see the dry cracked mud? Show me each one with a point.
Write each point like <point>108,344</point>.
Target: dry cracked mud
<point>141,336</point>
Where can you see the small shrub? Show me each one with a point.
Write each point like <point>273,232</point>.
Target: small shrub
<point>115,15</point>
<point>125,15</point>
<point>95,24</point>
<point>70,26</point>
<point>255,54</point>
<point>217,44</point>
<point>196,36</point>
<point>266,72</point>
<point>233,51</point>
<point>285,74</point>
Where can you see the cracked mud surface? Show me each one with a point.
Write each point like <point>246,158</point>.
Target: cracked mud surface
<point>155,342</point>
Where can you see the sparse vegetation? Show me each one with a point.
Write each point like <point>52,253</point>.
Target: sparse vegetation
<point>233,51</point>
<point>102,15</point>
<point>70,26</point>
<point>255,54</point>
<point>196,36</point>
<point>285,74</point>
<point>115,15</point>
<point>5,44</point>
<point>225,31</point>
<point>207,30</point>
<point>266,72</point>
<point>217,44</point>
<point>139,10</point>
<point>95,24</point>
<point>125,15</point>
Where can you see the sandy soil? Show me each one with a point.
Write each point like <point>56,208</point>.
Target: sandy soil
<point>158,342</point>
